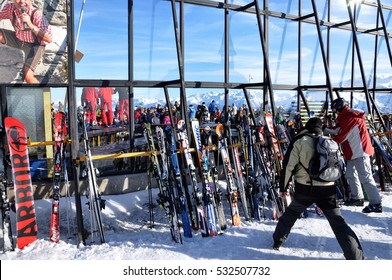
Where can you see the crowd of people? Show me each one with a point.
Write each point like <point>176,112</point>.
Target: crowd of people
<point>202,112</point>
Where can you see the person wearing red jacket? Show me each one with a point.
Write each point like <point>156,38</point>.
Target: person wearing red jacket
<point>105,96</point>
<point>89,101</point>
<point>123,104</point>
<point>353,136</point>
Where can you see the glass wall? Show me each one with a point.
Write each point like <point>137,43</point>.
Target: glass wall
<point>136,59</point>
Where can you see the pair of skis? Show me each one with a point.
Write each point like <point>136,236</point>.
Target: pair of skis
<point>264,158</point>
<point>201,219</point>
<point>232,190</point>
<point>165,196</point>
<point>60,131</point>
<point>95,203</point>
<point>253,185</point>
<point>209,188</point>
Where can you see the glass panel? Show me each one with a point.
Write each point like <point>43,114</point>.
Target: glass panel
<point>287,7</point>
<point>306,7</point>
<point>384,65</point>
<point>245,50</point>
<point>283,51</point>
<point>313,71</point>
<point>366,16</point>
<point>243,2</point>
<point>340,66</point>
<point>366,44</point>
<point>107,118</point>
<point>285,100</point>
<point>388,19</point>
<point>102,37</point>
<point>155,54</point>
<point>339,12</point>
<point>204,44</point>
<point>322,9</point>
<point>383,101</point>
<point>36,108</point>
<point>28,58</point>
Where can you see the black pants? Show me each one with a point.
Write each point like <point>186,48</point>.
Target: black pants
<point>325,198</point>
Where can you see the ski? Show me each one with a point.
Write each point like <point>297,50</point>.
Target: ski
<point>206,140</point>
<point>253,186</point>
<point>197,194</point>
<point>167,189</point>
<point>26,223</point>
<point>171,141</point>
<point>162,182</point>
<point>239,179</point>
<point>231,187</point>
<point>275,166</point>
<point>5,205</point>
<point>59,135</point>
<point>95,203</point>
<point>208,197</point>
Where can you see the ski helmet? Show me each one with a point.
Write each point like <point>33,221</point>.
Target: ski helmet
<point>338,104</point>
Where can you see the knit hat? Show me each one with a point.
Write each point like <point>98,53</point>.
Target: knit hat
<point>314,125</point>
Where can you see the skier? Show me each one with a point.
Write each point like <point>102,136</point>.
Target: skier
<point>309,191</point>
<point>357,149</point>
<point>123,104</point>
<point>105,95</point>
<point>212,109</point>
<point>89,101</point>
<point>191,112</point>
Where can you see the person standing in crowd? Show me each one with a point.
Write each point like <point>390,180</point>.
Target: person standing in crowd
<point>123,104</point>
<point>31,34</point>
<point>166,116</point>
<point>238,119</point>
<point>105,96</point>
<point>352,134</point>
<point>234,109</point>
<point>205,116</point>
<point>217,116</point>
<point>89,100</point>
<point>178,110</point>
<point>191,112</point>
<point>309,191</point>
<point>212,109</point>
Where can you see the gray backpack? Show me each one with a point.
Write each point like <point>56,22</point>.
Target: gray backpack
<point>327,164</point>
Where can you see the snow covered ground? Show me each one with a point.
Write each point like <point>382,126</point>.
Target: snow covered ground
<point>128,236</point>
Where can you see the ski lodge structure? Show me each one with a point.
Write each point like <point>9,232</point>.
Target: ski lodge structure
<point>287,58</point>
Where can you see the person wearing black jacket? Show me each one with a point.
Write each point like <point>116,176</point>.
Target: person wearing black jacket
<point>309,191</point>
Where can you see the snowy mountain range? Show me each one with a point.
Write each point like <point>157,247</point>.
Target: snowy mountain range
<point>282,99</point>
<point>285,100</point>
<point>383,100</point>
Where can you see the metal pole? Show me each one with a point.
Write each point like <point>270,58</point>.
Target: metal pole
<point>79,24</point>
<point>73,123</point>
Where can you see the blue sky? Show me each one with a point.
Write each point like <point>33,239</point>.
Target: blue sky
<point>103,40</point>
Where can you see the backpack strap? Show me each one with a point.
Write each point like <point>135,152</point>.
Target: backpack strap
<point>314,137</point>
<point>287,155</point>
